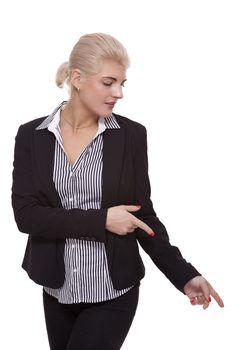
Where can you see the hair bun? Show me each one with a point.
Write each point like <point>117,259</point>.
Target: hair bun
<point>62,74</point>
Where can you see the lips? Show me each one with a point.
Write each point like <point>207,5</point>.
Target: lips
<point>110,103</point>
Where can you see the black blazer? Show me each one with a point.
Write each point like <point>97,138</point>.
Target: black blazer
<point>38,210</point>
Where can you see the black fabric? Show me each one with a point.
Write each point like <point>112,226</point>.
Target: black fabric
<point>90,326</point>
<point>39,213</point>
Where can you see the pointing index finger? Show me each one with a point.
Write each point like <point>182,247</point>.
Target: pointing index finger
<point>216,296</point>
<point>144,226</point>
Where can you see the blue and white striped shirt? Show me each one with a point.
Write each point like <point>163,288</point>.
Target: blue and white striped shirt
<point>79,185</point>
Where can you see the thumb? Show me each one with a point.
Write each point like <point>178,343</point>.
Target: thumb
<point>132,207</point>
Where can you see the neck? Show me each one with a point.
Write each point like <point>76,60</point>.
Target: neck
<point>77,117</point>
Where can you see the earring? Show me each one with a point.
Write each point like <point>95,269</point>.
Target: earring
<point>78,89</point>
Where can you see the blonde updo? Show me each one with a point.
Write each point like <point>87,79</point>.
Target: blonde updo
<point>88,53</point>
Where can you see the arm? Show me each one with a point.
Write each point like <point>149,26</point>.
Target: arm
<point>167,258</point>
<point>41,219</point>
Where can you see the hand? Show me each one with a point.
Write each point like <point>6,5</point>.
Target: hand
<point>120,221</point>
<point>199,290</point>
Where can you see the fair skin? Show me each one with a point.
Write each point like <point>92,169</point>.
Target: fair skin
<point>93,96</point>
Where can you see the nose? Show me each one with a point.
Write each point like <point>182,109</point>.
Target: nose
<point>117,92</point>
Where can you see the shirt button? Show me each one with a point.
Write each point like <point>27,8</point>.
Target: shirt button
<point>75,270</point>
<point>73,246</point>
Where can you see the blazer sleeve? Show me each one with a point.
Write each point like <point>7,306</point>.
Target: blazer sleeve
<point>166,257</point>
<point>39,219</point>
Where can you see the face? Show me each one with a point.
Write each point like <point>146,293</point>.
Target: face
<point>99,93</point>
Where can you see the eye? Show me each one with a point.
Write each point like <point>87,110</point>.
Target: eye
<point>107,84</point>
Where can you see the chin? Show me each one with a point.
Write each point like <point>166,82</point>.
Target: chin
<point>105,113</point>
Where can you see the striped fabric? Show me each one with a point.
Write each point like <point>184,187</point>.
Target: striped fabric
<point>79,185</point>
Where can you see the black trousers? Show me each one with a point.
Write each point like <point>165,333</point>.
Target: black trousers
<point>90,326</point>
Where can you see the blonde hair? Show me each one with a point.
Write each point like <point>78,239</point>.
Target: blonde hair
<point>88,53</point>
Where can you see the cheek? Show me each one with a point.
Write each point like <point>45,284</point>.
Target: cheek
<point>93,101</point>
<point>95,92</point>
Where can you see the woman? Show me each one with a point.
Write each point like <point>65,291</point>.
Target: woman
<point>81,191</point>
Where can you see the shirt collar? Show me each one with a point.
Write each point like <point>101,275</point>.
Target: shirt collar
<point>52,121</point>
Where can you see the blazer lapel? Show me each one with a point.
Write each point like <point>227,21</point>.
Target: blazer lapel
<point>113,154</point>
<point>44,145</point>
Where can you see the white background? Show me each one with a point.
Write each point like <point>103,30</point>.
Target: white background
<point>180,87</point>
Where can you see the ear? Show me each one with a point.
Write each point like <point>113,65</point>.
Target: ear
<point>76,78</point>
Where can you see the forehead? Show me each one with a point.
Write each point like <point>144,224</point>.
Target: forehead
<point>112,69</point>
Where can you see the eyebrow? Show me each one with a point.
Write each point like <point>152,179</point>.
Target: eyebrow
<point>114,79</point>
